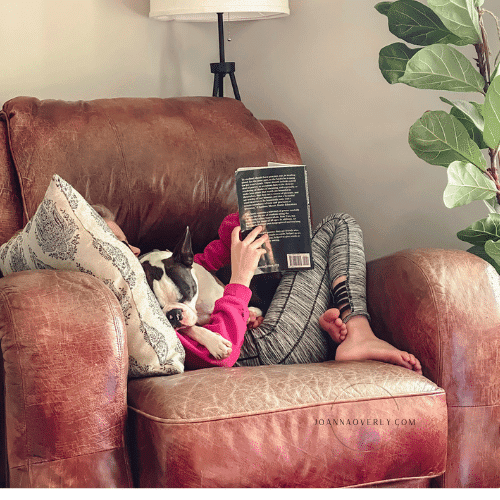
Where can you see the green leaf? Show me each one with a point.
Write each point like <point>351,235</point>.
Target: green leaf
<point>440,67</point>
<point>466,184</point>
<point>440,139</point>
<point>481,252</point>
<point>415,23</point>
<point>473,111</point>
<point>496,72</point>
<point>474,133</point>
<point>492,249</point>
<point>460,17</point>
<point>393,59</point>
<point>493,205</point>
<point>492,115</point>
<point>470,115</point>
<point>482,231</point>
<point>383,7</point>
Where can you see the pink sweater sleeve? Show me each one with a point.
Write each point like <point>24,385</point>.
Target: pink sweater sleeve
<point>229,319</point>
<point>217,254</point>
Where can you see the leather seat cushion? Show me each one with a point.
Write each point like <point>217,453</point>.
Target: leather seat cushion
<point>332,424</point>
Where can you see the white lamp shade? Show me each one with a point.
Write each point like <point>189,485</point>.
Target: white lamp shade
<point>206,10</point>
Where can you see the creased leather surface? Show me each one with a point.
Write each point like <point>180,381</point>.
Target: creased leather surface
<point>104,469</point>
<point>444,306</point>
<point>65,376</point>
<point>447,314</point>
<point>237,391</point>
<point>11,218</point>
<point>256,427</point>
<point>3,443</point>
<point>474,451</point>
<point>283,141</point>
<point>159,164</point>
<point>410,483</point>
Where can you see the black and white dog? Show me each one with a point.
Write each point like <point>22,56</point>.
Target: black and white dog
<point>187,293</point>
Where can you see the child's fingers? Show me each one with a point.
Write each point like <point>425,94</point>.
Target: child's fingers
<point>250,237</point>
<point>253,234</point>
<point>235,235</point>
<point>258,243</point>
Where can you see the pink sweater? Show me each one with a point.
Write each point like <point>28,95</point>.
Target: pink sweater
<point>230,315</point>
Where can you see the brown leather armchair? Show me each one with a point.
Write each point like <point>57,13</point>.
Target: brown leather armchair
<point>69,417</point>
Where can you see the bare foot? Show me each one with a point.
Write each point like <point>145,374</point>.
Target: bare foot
<point>217,345</point>
<point>361,343</point>
<point>332,324</point>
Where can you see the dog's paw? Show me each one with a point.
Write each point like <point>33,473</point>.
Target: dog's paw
<point>217,345</point>
<point>221,348</point>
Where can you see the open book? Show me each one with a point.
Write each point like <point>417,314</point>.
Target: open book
<point>277,198</point>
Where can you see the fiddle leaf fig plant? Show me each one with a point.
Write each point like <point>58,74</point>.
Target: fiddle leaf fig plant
<point>466,139</point>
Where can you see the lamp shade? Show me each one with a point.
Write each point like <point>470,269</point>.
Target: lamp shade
<point>206,10</point>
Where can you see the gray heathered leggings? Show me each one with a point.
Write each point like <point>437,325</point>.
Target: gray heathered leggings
<point>290,332</point>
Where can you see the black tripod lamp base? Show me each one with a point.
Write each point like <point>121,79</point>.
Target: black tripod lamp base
<point>220,70</point>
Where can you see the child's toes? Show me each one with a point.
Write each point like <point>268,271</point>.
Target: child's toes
<point>343,331</point>
<point>331,315</point>
<point>406,356</point>
<point>416,364</point>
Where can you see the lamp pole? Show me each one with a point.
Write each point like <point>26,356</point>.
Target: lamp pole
<point>223,68</point>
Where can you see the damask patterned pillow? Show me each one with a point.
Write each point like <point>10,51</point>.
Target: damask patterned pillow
<point>67,233</point>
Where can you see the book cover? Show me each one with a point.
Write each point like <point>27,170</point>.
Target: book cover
<point>277,198</point>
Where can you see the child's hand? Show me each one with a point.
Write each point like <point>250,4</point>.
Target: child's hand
<point>245,254</point>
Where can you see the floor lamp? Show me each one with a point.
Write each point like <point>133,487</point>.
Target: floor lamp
<point>216,10</point>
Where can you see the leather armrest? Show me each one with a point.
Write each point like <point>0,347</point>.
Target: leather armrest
<point>64,354</point>
<point>444,307</point>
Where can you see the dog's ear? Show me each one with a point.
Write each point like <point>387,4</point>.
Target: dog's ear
<point>183,252</point>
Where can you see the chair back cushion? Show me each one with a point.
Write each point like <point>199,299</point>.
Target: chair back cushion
<point>158,164</point>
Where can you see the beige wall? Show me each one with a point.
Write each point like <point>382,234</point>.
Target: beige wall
<point>316,70</point>
<point>79,49</point>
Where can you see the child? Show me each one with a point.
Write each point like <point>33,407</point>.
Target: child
<point>293,330</point>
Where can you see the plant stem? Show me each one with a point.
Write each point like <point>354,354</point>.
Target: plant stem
<point>492,172</point>
<point>483,53</point>
<point>483,63</point>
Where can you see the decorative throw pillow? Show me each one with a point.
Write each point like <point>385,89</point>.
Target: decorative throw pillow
<point>67,233</point>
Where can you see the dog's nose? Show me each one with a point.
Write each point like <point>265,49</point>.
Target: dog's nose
<point>175,317</point>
